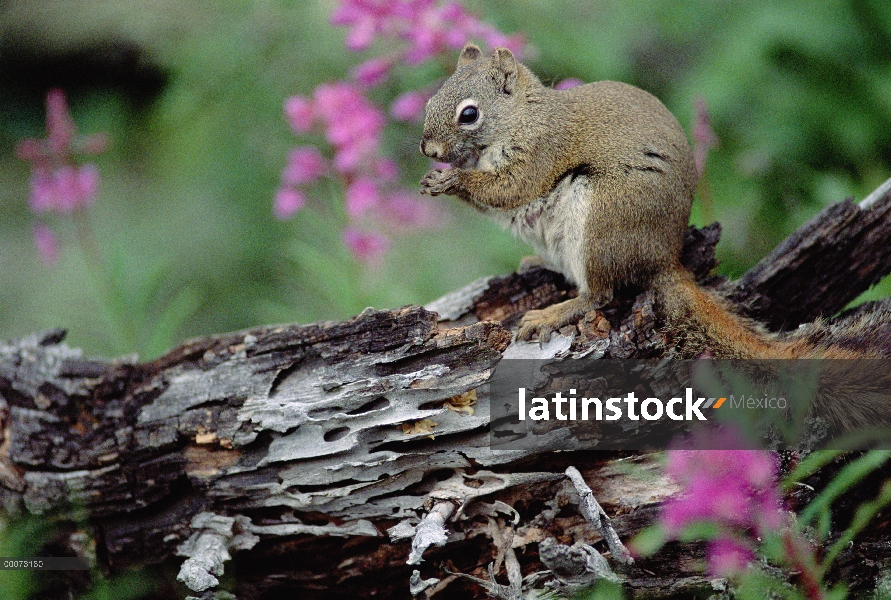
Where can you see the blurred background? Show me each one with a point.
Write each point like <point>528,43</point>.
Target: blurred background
<point>191,95</point>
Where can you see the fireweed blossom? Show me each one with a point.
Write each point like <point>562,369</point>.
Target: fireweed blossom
<point>704,137</point>
<point>59,184</point>
<point>47,244</point>
<point>426,29</point>
<point>376,205</point>
<point>733,489</point>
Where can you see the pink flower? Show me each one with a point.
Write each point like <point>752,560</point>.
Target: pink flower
<point>719,498</point>
<point>362,195</point>
<point>366,246</point>
<point>361,35</point>
<point>568,83</point>
<point>728,557</point>
<point>426,27</point>
<point>373,72</point>
<point>58,183</point>
<point>409,106</point>
<point>42,197</point>
<point>67,190</point>
<point>287,202</point>
<point>704,137</point>
<point>386,170</point>
<point>305,165</point>
<point>352,124</point>
<point>425,42</point>
<point>47,244</point>
<point>299,113</point>
<point>406,210</point>
<point>60,129</point>
<point>735,488</point>
<point>364,20</point>
<point>87,183</point>
<point>494,38</point>
<point>417,30</point>
<point>64,190</point>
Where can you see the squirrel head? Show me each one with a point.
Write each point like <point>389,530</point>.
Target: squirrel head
<point>476,107</point>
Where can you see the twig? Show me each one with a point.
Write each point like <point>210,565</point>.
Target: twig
<point>595,514</point>
<point>876,194</point>
<point>431,531</point>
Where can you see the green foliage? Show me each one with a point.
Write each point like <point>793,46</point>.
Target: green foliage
<point>850,475</point>
<point>798,94</point>
<point>127,587</point>
<point>863,516</point>
<point>26,537</point>
<point>21,538</point>
<point>789,549</point>
<point>603,590</point>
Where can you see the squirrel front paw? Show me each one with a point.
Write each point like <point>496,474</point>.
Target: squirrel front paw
<point>439,181</point>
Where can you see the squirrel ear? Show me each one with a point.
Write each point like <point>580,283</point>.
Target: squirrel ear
<point>504,69</point>
<point>470,53</point>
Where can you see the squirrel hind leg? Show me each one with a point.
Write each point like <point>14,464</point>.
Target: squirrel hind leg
<point>547,320</point>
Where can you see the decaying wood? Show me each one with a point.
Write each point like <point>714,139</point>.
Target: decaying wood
<point>819,269</point>
<point>288,454</point>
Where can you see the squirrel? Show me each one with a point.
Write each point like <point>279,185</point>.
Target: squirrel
<point>599,179</point>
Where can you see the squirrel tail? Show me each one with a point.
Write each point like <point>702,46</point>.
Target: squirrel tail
<point>850,395</point>
<point>704,323</point>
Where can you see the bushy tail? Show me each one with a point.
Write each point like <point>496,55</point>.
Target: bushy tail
<point>850,394</point>
<point>702,323</point>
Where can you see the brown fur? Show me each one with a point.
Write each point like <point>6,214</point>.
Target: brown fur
<point>620,137</point>
<point>530,154</point>
<point>709,326</point>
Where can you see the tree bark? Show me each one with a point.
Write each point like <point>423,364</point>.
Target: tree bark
<point>294,449</point>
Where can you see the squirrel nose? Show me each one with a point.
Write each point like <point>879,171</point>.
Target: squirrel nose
<point>430,148</point>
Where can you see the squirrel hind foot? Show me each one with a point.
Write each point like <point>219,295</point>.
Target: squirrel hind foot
<point>542,323</point>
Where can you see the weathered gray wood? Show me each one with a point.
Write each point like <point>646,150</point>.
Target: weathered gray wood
<point>819,269</point>
<point>301,445</point>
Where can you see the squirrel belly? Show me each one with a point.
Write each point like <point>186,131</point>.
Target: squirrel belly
<point>554,225</point>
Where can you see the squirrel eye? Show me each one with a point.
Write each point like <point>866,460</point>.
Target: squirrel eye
<point>469,115</point>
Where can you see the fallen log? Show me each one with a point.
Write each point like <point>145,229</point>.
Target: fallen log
<point>307,458</point>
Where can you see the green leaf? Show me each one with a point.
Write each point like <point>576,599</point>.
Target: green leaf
<point>865,513</point>
<point>334,276</point>
<point>700,530</point>
<point>807,467</point>
<point>164,333</point>
<point>649,541</point>
<point>602,590</point>
<point>756,584</point>
<point>846,478</point>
